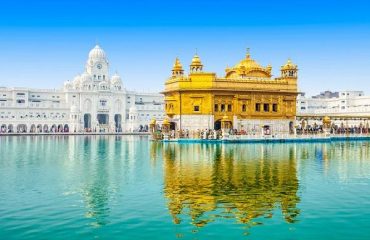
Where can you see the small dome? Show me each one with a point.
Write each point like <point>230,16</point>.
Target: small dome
<point>97,52</point>
<point>326,120</point>
<point>116,79</point>
<point>85,77</point>
<point>153,121</point>
<point>67,85</point>
<point>196,60</point>
<point>289,66</point>
<point>166,122</point>
<point>77,79</point>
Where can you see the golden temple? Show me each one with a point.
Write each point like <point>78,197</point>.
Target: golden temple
<point>247,95</point>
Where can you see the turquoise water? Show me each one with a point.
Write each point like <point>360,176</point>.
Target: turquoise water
<point>107,187</point>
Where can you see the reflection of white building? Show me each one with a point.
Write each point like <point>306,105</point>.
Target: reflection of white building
<point>348,107</point>
<point>92,101</point>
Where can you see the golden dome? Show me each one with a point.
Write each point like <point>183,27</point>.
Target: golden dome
<point>166,122</point>
<point>196,60</point>
<point>248,63</point>
<point>289,66</point>
<point>153,121</point>
<point>248,67</point>
<point>177,66</point>
<point>326,120</point>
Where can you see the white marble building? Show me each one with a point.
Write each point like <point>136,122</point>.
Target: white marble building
<point>349,108</point>
<point>93,101</point>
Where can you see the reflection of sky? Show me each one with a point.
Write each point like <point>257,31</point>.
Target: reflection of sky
<point>46,42</point>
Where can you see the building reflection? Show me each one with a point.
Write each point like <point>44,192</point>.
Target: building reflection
<point>347,160</point>
<point>244,182</point>
<point>95,187</point>
<point>102,165</point>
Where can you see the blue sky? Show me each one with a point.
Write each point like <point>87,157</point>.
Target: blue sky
<point>44,43</point>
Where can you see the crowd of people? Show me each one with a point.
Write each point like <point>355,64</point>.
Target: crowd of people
<point>212,134</point>
<point>333,130</point>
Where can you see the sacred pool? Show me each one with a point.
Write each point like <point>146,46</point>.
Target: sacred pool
<point>127,187</point>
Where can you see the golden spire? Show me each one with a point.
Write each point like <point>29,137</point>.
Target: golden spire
<point>177,66</point>
<point>248,55</point>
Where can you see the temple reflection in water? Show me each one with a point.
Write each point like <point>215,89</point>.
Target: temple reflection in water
<point>209,182</point>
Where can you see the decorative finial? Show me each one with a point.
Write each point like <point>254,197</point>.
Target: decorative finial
<point>248,53</point>
<point>196,51</point>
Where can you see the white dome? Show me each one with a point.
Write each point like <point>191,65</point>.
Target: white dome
<point>116,79</point>
<point>67,84</point>
<point>85,77</point>
<point>77,79</point>
<point>97,52</point>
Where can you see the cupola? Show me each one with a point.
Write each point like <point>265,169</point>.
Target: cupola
<point>177,68</point>
<point>196,65</point>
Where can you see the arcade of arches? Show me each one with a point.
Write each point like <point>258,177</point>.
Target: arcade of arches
<point>34,128</point>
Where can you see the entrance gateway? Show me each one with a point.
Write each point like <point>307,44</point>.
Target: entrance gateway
<point>217,125</point>
<point>103,118</point>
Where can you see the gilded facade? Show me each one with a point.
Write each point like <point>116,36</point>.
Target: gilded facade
<point>247,95</point>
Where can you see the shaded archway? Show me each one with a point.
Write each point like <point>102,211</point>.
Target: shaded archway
<point>21,128</point>
<point>266,129</point>
<point>3,128</point>
<point>60,128</point>
<point>10,128</point>
<point>33,128</point>
<point>172,126</point>
<point>53,128</point>
<point>39,128</point>
<point>291,127</point>
<point>117,122</point>
<point>46,128</point>
<point>217,125</point>
<point>87,122</point>
<point>66,128</point>
<point>103,118</point>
